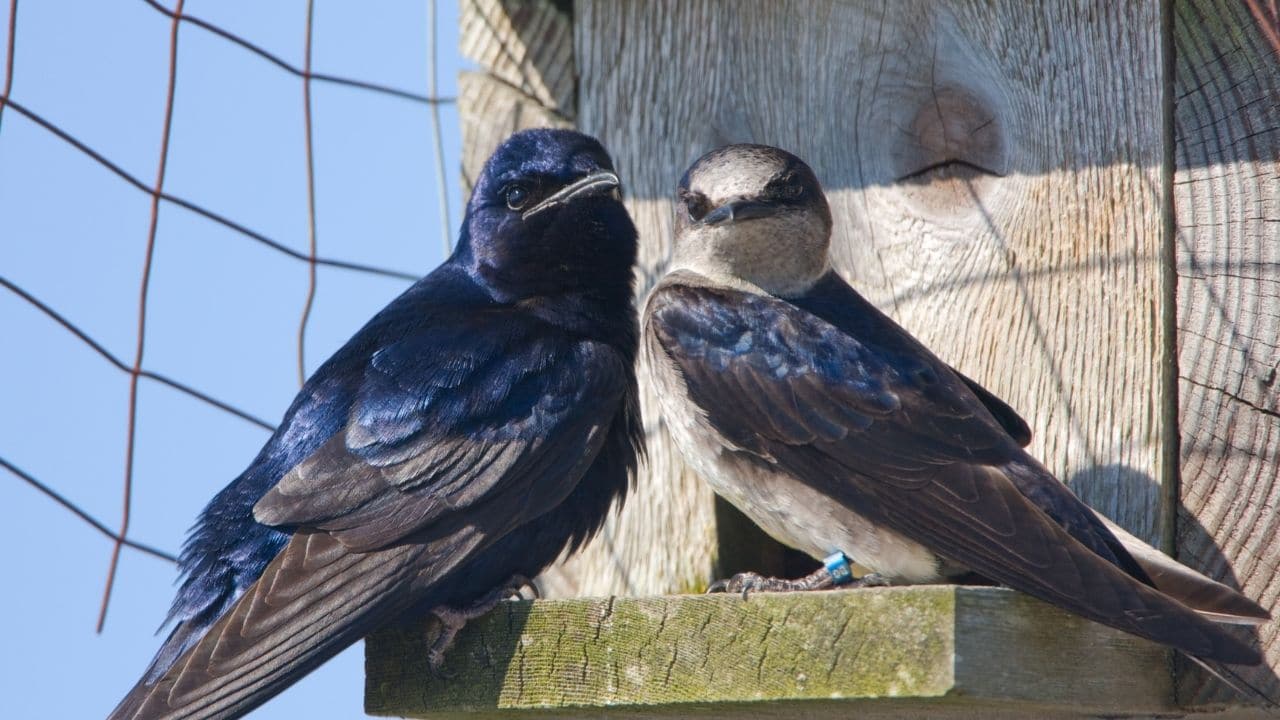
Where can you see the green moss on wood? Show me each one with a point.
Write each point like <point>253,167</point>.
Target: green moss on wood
<point>927,643</point>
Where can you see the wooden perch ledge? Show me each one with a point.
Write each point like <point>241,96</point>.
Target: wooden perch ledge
<point>935,650</point>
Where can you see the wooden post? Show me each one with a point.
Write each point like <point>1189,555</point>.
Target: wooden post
<point>1076,203</point>
<point>1226,245</point>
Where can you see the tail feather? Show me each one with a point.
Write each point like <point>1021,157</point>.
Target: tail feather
<point>1235,681</point>
<point>280,629</point>
<point>1210,598</point>
<point>1048,562</point>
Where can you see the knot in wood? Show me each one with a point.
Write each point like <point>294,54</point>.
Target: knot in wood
<point>953,145</point>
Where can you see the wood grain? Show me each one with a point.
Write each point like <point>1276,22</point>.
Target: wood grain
<point>950,651</point>
<point>1227,214</point>
<point>526,44</point>
<point>665,541</point>
<point>525,52</point>
<point>490,110</point>
<point>994,170</point>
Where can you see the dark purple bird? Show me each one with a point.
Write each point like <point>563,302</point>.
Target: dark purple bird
<point>477,427</point>
<point>841,435</point>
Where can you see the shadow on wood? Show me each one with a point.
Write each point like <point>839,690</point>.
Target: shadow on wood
<point>1101,486</point>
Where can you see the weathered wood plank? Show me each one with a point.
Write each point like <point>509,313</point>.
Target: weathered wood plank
<point>994,170</point>
<point>954,651</point>
<point>525,52</point>
<point>1227,204</point>
<point>526,44</point>
<point>490,110</point>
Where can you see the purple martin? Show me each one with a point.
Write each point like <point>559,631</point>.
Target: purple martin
<point>481,424</point>
<point>842,436</point>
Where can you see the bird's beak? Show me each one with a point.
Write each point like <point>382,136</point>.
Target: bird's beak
<point>594,184</point>
<point>738,210</point>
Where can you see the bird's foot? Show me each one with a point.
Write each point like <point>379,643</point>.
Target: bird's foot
<point>454,619</point>
<point>820,579</point>
<point>868,580</point>
<point>451,621</point>
<point>749,582</point>
<point>517,586</point>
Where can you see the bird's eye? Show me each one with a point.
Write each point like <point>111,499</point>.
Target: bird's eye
<point>695,203</point>
<point>517,196</point>
<point>786,187</point>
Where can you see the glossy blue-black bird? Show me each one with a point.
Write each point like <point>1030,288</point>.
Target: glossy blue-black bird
<point>840,434</point>
<point>477,427</point>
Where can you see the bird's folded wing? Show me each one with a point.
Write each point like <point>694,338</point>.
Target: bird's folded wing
<point>899,438</point>
<point>1008,418</point>
<point>506,417</point>
<point>780,375</point>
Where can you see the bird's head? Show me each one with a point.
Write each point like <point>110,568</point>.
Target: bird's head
<point>546,217</point>
<point>753,213</point>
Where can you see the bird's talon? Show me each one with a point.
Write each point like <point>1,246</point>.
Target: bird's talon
<point>518,584</point>
<point>745,583</point>
<point>870,580</point>
<point>435,663</point>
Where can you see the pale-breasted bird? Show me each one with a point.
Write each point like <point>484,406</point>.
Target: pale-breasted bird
<point>477,427</point>
<point>841,435</point>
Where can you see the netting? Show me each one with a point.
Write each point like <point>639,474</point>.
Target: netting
<point>173,192</point>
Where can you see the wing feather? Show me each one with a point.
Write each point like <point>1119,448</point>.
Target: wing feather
<point>270,636</point>
<point>512,424</point>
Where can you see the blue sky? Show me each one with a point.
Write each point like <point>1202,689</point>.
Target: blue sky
<point>223,309</point>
